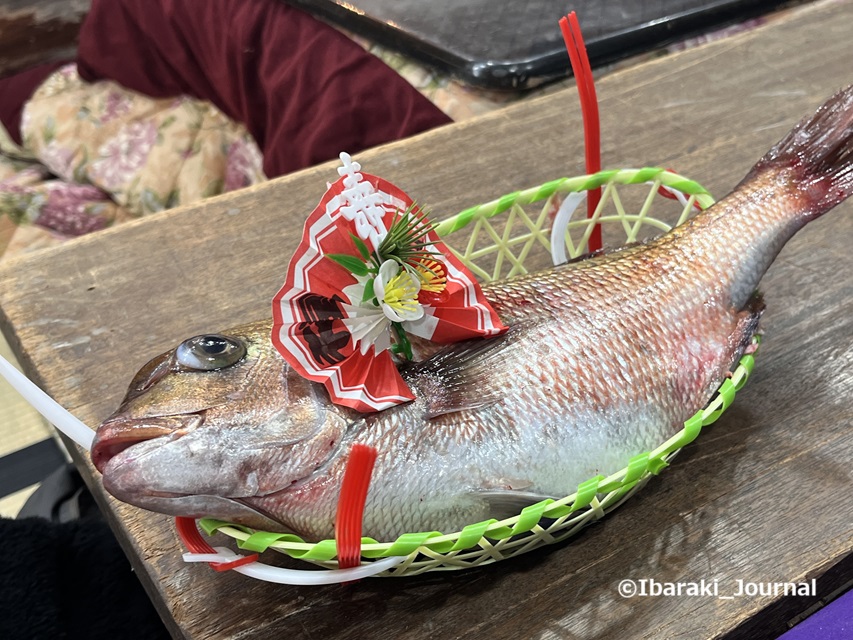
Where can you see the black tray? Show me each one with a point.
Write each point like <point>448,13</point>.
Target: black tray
<point>516,44</point>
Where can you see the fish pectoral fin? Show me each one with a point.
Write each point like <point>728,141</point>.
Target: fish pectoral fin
<point>463,375</point>
<point>508,503</point>
<point>460,397</point>
<point>747,325</point>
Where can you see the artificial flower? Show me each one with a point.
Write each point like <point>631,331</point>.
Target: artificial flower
<point>396,291</point>
<point>365,320</point>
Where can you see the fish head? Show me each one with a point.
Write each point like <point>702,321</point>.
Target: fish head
<point>213,423</point>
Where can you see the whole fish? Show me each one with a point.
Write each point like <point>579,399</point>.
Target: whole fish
<point>605,359</point>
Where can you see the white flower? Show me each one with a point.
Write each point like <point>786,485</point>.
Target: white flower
<point>364,320</point>
<point>396,292</point>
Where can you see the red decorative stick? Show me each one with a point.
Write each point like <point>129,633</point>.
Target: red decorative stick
<point>188,532</point>
<point>350,515</point>
<point>589,108</point>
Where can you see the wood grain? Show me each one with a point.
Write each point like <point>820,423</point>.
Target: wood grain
<point>764,495</point>
<point>37,31</point>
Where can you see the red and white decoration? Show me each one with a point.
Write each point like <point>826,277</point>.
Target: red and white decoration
<point>323,326</point>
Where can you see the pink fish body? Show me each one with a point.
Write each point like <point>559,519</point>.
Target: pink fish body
<point>605,359</point>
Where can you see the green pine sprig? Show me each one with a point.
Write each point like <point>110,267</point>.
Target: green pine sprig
<point>406,242</point>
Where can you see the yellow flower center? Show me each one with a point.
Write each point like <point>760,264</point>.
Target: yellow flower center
<point>401,293</point>
<point>432,275</point>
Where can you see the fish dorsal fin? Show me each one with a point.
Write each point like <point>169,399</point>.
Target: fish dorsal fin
<point>508,503</point>
<point>463,375</point>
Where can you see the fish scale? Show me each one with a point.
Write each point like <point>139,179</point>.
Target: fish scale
<point>604,359</point>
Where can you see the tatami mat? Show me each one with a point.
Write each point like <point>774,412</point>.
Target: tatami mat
<point>11,504</point>
<point>20,427</point>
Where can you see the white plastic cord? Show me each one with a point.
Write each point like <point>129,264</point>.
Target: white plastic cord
<point>223,554</point>
<point>561,225</point>
<point>679,195</point>
<point>54,412</point>
<point>261,571</point>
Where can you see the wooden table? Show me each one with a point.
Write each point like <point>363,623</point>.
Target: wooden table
<point>764,495</point>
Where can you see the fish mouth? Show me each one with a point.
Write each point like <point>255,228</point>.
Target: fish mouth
<point>115,435</point>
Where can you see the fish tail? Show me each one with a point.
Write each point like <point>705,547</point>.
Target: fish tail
<point>819,150</point>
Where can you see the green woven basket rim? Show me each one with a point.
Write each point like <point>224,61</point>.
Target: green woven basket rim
<point>575,184</point>
<point>615,487</point>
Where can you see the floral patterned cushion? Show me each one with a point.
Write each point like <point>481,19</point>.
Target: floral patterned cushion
<point>94,154</point>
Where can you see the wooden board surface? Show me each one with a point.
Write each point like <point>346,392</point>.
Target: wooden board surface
<point>37,31</point>
<point>763,496</point>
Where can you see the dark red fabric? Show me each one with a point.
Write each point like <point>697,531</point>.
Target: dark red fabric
<point>15,90</point>
<point>304,90</point>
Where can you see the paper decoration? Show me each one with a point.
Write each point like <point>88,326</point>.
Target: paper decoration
<point>368,271</point>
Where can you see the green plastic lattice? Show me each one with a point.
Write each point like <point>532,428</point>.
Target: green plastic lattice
<point>500,247</point>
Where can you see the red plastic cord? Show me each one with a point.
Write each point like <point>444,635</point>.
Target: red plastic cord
<point>350,514</point>
<point>189,535</point>
<point>589,108</point>
<point>667,194</point>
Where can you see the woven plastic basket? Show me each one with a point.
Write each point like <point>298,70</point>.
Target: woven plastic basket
<point>500,239</point>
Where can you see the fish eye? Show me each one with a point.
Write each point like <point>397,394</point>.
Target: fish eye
<point>210,352</point>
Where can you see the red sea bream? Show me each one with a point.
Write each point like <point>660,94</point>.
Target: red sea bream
<point>605,358</point>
